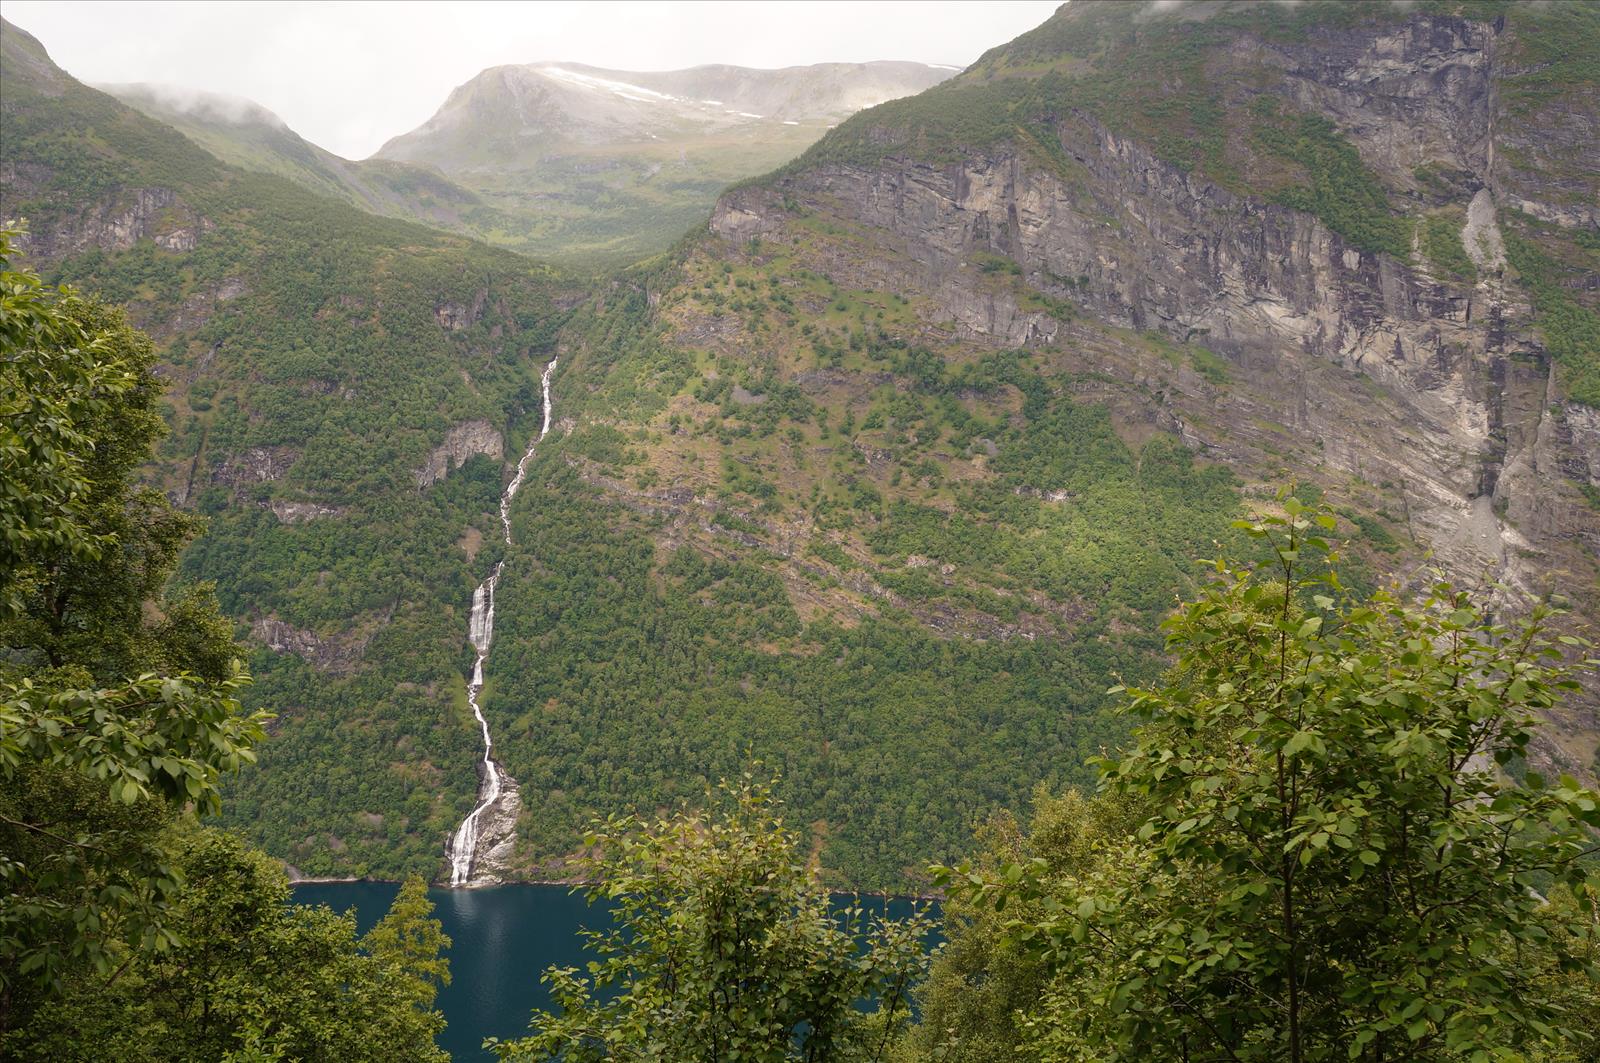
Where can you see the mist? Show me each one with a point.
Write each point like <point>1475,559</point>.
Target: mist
<point>349,76</point>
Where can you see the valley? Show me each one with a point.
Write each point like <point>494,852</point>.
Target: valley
<point>1090,555</point>
<point>884,475</point>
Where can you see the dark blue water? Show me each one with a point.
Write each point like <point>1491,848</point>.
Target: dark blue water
<point>503,938</point>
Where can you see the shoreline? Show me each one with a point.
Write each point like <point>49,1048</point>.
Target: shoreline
<point>335,880</point>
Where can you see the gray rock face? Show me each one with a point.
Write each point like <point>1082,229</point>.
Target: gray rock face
<point>301,512</point>
<point>117,224</point>
<point>1470,426</point>
<point>337,654</point>
<point>256,465</point>
<point>458,316</point>
<point>460,443</point>
<point>497,837</point>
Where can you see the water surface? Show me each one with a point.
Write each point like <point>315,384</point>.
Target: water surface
<point>503,938</point>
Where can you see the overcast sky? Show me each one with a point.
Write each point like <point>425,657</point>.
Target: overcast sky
<point>349,76</point>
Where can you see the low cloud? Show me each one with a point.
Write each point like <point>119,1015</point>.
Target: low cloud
<point>211,106</point>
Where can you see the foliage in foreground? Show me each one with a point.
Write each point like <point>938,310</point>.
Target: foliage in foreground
<point>119,701</point>
<point>727,948</point>
<point>1307,854</point>
<point>255,979</point>
<point>127,931</point>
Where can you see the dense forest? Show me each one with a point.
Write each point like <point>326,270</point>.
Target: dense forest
<point>128,928</point>
<point>1141,493</point>
<point>315,355</point>
<point>1305,851</point>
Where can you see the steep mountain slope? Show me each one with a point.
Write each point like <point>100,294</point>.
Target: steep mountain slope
<point>963,386</point>
<point>1401,196</point>
<point>342,391</point>
<point>889,474</point>
<point>247,135</point>
<point>617,164</point>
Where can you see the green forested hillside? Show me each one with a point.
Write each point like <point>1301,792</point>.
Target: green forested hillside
<point>315,355</point>
<point>627,669</point>
<point>908,589</point>
<point>885,499</point>
<point>128,930</point>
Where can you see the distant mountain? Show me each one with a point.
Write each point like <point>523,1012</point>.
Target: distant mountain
<point>242,133</point>
<point>560,161</point>
<point>511,116</point>
<point>617,164</point>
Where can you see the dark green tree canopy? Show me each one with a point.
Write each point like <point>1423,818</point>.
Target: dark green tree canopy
<point>120,702</point>
<point>127,931</point>
<point>1324,854</point>
<point>727,948</point>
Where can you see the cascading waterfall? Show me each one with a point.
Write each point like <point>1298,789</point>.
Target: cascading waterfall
<point>480,631</point>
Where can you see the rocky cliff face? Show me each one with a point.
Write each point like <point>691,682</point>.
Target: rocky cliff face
<point>461,442</point>
<point>1448,396</point>
<point>331,653</point>
<point>495,859</point>
<point>116,224</point>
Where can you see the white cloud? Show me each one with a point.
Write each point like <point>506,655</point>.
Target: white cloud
<point>349,76</point>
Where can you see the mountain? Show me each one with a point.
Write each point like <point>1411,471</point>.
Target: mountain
<point>615,164</point>
<point>965,387</point>
<point>320,363</point>
<point>885,475</point>
<point>246,135</point>
<point>562,161</point>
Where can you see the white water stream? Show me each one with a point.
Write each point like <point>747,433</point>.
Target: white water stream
<point>480,631</point>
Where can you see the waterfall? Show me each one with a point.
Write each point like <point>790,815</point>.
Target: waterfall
<point>480,631</point>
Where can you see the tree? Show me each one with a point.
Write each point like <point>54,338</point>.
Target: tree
<point>1332,857</point>
<point>727,948</point>
<point>255,978</point>
<point>985,984</point>
<point>411,944</point>
<point>118,702</point>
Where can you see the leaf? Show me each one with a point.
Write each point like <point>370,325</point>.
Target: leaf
<point>1300,741</point>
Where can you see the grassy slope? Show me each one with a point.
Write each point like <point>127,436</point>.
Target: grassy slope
<point>900,566</point>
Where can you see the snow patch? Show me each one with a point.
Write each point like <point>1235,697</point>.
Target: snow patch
<point>637,93</point>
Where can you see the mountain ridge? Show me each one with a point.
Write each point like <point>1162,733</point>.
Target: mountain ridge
<point>619,164</point>
<point>881,474</point>
<point>573,162</point>
<point>712,94</point>
<point>243,133</point>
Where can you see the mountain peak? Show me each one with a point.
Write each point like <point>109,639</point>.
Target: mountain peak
<point>23,59</point>
<point>164,100</point>
<point>508,112</point>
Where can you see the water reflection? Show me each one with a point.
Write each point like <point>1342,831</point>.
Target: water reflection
<point>503,939</point>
